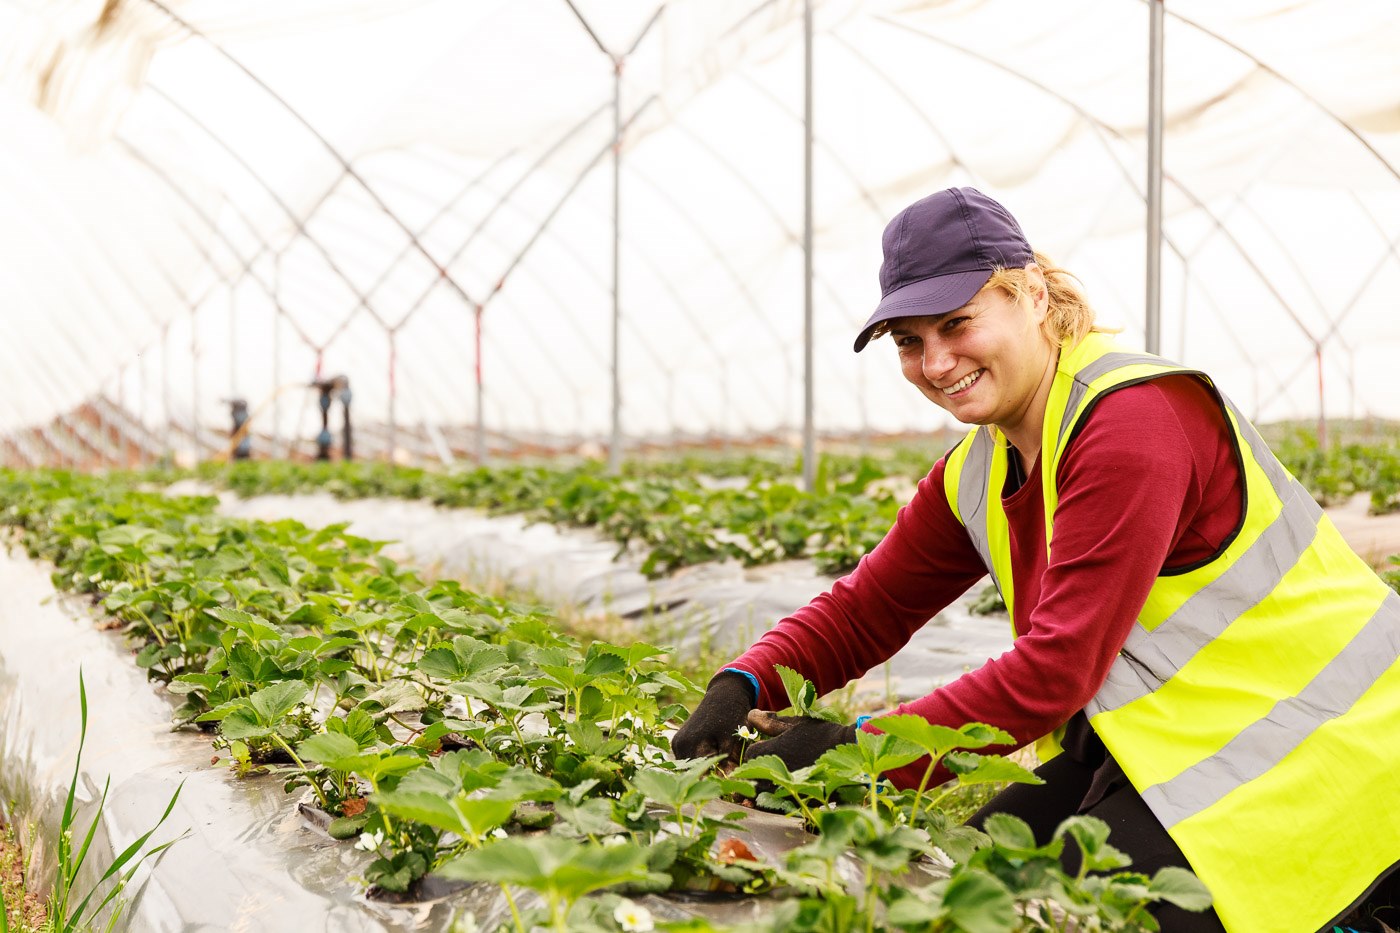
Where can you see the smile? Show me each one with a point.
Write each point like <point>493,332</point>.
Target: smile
<point>964,383</point>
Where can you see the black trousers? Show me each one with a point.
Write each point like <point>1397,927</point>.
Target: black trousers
<point>1074,787</point>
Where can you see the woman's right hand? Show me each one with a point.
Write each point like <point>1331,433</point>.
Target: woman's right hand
<point>711,729</point>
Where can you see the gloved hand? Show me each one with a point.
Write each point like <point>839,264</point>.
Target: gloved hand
<point>710,729</point>
<point>798,740</point>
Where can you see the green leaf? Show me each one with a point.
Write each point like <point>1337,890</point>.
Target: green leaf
<point>242,723</point>
<point>1180,887</point>
<point>938,740</point>
<point>396,696</point>
<point>1091,833</point>
<point>1010,832</point>
<point>328,746</point>
<point>664,787</point>
<point>551,864</point>
<point>801,693</point>
<point>977,902</point>
<point>972,768</point>
<point>276,701</point>
<point>763,768</point>
<point>466,818</point>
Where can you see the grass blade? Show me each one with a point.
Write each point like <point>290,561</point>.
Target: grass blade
<point>127,854</point>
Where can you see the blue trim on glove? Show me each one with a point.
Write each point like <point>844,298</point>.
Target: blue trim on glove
<point>862,720</point>
<point>753,681</point>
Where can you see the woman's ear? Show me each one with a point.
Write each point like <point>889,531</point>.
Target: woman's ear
<point>1038,290</point>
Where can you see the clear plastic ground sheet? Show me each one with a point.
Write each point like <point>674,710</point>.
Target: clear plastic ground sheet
<point>247,863</point>
<point>723,606</point>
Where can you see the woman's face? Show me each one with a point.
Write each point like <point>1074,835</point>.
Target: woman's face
<point>986,362</point>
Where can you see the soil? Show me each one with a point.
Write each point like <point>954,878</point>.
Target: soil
<point>24,909</point>
<point>1375,537</point>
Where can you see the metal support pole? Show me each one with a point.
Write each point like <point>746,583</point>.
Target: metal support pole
<point>480,405</point>
<point>276,366</point>
<point>165,392</point>
<point>615,447</point>
<point>194,387</point>
<point>393,396</point>
<point>1321,411</point>
<point>143,447</point>
<point>233,342</point>
<point>809,443</point>
<point>1152,325</point>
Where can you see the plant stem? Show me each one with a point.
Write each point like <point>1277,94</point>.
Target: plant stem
<point>315,785</point>
<point>514,911</point>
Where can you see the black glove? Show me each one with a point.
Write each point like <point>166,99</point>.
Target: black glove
<point>710,729</point>
<point>798,740</point>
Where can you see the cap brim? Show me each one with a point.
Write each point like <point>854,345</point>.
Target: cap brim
<point>937,295</point>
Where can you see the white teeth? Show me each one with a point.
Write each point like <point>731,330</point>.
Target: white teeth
<point>963,383</point>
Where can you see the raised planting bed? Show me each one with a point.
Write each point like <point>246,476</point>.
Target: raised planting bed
<point>446,737</point>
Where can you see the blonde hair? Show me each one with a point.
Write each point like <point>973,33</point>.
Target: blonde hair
<point>1070,317</point>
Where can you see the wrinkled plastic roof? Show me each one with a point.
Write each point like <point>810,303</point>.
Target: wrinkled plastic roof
<point>208,200</point>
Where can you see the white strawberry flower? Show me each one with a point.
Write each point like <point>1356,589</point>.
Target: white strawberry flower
<point>633,918</point>
<point>747,733</point>
<point>370,842</point>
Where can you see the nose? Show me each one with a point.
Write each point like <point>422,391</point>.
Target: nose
<point>938,361</point>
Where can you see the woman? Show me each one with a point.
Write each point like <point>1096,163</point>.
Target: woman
<point>1201,659</point>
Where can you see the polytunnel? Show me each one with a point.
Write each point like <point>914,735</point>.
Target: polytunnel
<point>543,224</point>
<point>490,233</point>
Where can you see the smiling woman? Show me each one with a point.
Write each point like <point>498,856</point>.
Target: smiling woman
<point>1197,654</point>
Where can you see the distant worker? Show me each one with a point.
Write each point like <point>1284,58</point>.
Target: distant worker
<point>1206,664</point>
<point>242,435</point>
<point>336,386</point>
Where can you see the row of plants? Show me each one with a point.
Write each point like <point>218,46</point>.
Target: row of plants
<point>748,508</point>
<point>672,518</point>
<point>1336,472</point>
<point>471,738</point>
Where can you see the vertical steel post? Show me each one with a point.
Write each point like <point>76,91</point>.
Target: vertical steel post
<point>276,352</point>
<point>1152,325</point>
<point>615,447</point>
<point>1321,411</point>
<point>480,405</point>
<point>809,443</point>
<point>233,341</point>
<point>276,377</point>
<point>393,395</point>
<point>165,391</point>
<point>194,387</point>
<point>143,444</point>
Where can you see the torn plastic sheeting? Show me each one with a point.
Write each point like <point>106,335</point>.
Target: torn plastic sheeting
<point>721,606</point>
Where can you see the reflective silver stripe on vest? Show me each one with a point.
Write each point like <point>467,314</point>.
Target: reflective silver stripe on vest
<point>973,487</point>
<point>1099,367</point>
<point>1266,742</point>
<point>1149,659</point>
<point>1278,476</point>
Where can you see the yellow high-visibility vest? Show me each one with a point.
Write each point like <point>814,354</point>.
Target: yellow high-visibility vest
<point>1256,703</point>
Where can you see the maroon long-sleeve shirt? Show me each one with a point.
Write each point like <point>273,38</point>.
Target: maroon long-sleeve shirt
<point>1150,482</point>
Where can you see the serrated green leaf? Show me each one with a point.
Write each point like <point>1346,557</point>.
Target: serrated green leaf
<point>276,701</point>
<point>1180,887</point>
<point>327,746</point>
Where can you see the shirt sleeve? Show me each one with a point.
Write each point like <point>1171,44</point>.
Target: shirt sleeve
<point>1127,486</point>
<point>924,562</point>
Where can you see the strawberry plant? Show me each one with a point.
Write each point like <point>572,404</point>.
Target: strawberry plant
<point>471,738</point>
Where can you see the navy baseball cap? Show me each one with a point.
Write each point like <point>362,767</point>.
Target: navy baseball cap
<point>940,251</point>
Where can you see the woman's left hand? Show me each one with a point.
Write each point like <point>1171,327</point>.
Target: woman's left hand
<point>798,740</point>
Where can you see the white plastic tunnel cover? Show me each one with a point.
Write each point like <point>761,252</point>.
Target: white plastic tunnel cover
<point>207,202</point>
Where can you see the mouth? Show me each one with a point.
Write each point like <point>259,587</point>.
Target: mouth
<point>965,383</point>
